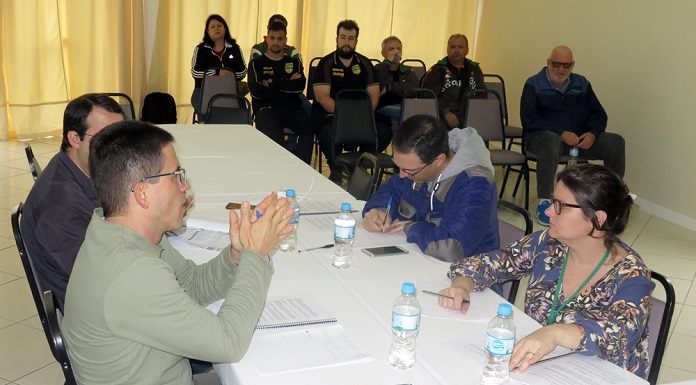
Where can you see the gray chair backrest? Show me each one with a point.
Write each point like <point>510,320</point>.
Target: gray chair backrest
<point>363,181</point>
<point>658,325</point>
<point>508,234</point>
<point>222,110</point>
<point>418,67</point>
<point>496,83</point>
<point>419,101</point>
<point>216,84</point>
<point>485,115</point>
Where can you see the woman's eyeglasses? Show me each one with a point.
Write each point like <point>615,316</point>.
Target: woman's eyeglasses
<point>558,206</point>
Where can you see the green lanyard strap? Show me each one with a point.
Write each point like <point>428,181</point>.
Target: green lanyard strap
<point>559,285</point>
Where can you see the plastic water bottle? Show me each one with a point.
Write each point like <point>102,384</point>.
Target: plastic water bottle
<point>406,315</point>
<point>573,161</point>
<point>344,232</point>
<point>290,242</point>
<point>500,339</point>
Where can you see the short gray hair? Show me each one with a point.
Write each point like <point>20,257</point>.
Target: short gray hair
<point>390,38</point>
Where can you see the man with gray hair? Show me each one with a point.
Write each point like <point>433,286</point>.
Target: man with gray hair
<point>394,80</point>
<point>560,111</point>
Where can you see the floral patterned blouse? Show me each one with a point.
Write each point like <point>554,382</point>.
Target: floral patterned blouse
<point>613,312</point>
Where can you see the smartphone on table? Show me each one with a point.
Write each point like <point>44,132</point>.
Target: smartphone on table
<point>384,251</point>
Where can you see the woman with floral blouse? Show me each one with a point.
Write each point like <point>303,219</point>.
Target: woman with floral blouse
<point>590,290</point>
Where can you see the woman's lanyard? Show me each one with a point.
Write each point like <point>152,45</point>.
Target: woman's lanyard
<point>559,285</point>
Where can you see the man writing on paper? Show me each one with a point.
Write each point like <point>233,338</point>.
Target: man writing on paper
<point>444,197</point>
<point>134,305</point>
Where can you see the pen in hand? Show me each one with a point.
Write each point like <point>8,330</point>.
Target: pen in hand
<point>442,295</point>
<point>386,214</point>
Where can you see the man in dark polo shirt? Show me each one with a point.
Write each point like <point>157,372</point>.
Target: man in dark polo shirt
<point>276,82</point>
<point>339,70</point>
<point>60,205</point>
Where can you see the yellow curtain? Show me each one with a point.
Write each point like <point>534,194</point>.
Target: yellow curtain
<point>55,50</point>
<point>79,46</point>
<point>422,26</point>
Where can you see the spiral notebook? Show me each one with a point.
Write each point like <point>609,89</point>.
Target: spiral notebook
<point>287,312</point>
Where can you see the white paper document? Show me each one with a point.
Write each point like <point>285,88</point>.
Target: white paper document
<point>308,206</point>
<point>203,238</point>
<point>272,352</point>
<point>576,369</point>
<point>282,312</point>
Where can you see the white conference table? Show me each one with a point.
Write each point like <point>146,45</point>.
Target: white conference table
<point>236,162</point>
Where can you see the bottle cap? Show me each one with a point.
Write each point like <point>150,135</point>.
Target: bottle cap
<point>505,309</point>
<point>345,206</point>
<point>289,193</point>
<point>408,288</point>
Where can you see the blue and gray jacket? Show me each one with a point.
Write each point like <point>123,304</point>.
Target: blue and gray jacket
<point>454,216</point>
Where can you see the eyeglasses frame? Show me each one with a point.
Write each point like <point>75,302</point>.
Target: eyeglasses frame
<point>180,172</point>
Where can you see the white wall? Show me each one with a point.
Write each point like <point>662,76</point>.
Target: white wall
<point>639,56</point>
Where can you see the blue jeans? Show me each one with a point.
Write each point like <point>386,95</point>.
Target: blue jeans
<point>392,112</point>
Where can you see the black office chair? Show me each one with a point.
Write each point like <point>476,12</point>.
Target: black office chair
<point>658,325</point>
<point>354,125</point>
<point>510,233</point>
<point>363,182</point>
<point>34,285</point>
<point>418,67</point>
<point>34,166</point>
<point>126,104</point>
<point>310,96</point>
<point>228,109</point>
<point>58,348</point>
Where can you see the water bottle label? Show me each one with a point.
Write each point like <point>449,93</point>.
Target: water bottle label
<point>499,346</point>
<point>344,232</point>
<point>296,217</point>
<point>405,323</point>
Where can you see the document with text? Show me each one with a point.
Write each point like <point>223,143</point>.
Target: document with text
<point>308,348</point>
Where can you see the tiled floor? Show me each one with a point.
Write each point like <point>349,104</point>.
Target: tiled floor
<point>25,358</point>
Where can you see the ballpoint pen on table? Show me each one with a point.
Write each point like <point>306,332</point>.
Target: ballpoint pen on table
<point>389,203</point>
<point>442,295</point>
<point>317,248</point>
